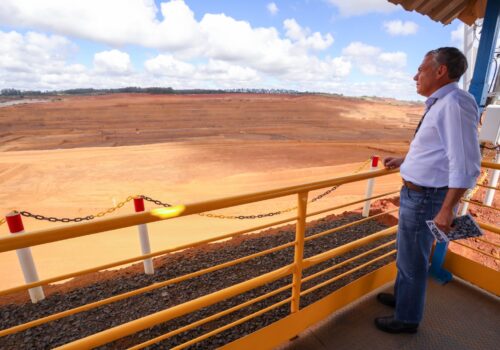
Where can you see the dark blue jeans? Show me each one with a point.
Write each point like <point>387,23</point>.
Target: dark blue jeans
<point>414,245</point>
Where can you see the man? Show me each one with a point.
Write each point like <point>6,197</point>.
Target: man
<point>442,163</point>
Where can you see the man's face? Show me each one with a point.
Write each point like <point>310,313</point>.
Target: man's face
<point>427,76</point>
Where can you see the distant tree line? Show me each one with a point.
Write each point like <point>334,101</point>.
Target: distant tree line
<point>140,90</point>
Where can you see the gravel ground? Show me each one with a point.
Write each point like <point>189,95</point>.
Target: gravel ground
<point>83,324</point>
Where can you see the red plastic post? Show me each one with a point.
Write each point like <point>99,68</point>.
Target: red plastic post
<point>375,161</point>
<point>143,237</point>
<point>139,204</point>
<point>15,222</point>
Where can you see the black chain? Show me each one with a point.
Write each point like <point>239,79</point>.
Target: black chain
<point>80,219</point>
<point>160,203</point>
<point>324,194</point>
<point>54,219</point>
<point>155,201</point>
<point>258,216</point>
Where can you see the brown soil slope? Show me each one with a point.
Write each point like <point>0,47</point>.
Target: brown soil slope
<point>118,120</point>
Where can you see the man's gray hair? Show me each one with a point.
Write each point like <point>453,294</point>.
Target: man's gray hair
<point>452,58</point>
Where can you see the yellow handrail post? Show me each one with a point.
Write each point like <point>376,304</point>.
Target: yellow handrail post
<point>300,233</point>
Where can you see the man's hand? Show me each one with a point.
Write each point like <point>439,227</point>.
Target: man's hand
<point>445,215</point>
<point>444,219</point>
<point>392,162</point>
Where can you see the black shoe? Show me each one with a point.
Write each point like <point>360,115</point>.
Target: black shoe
<point>390,325</point>
<point>386,299</point>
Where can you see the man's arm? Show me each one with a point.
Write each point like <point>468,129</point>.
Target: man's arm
<point>458,132</point>
<point>445,215</point>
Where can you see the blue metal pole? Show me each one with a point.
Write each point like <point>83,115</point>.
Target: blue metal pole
<point>441,275</point>
<point>489,34</point>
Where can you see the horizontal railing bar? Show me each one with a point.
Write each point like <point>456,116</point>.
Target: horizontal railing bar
<point>210,318</point>
<point>359,267</point>
<point>100,225</point>
<point>348,261</point>
<point>354,223</point>
<point>476,250</point>
<point>486,186</point>
<point>480,204</point>
<point>487,242</point>
<point>117,332</point>
<point>489,227</point>
<point>319,258</point>
<point>233,324</point>
<point>351,203</point>
<point>125,295</point>
<point>490,165</point>
<point>140,258</point>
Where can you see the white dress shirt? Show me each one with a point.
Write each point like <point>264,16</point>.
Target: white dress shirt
<point>445,150</point>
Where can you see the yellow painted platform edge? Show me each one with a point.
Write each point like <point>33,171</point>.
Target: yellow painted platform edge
<point>281,331</point>
<point>473,272</point>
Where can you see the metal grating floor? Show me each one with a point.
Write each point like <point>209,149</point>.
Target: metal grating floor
<point>457,316</point>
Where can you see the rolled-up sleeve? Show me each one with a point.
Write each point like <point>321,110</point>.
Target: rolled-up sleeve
<point>459,135</point>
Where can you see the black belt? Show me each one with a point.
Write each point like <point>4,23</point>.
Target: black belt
<point>413,187</point>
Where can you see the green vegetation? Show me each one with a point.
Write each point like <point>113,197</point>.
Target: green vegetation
<point>139,90</point>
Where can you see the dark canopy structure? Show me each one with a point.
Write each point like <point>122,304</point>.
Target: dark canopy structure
<point>445,11</point>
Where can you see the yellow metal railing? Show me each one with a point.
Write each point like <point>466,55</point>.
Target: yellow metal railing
<point>196,244</point>
<point>101,225</point>
<point>295,269</point>
<point>486,226</point>
<point>131,327</point>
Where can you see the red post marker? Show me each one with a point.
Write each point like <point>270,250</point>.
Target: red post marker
<point>369,187</point>
<point>144,237</point>
<point>15,223</point>
<point>139,204</point>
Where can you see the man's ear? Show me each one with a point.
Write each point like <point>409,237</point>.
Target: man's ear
<point>442,71</point>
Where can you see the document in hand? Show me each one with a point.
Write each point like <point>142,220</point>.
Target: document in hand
<point>461,227</point>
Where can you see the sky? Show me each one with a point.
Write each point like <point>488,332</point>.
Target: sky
<point>350,47</point>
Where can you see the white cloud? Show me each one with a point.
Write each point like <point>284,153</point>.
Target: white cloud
<point>38,61</point>
<point>371,60</point>
<point>302,36</point>
<point>113,61</point>
<point>214,73</point>
<point>167,65</point>
<point>457,36</point>
<point>43,62</point>
<point>272,8</point>
<point>35,60</point>
<point>361,7</point>
<point>216,49</point>
<point>293,30</point>
<point>398,27</point>
<point>223,71</point>
<point>172,28</point>
<point>217,36</point>
<point>359,49</point>
<point>229,39</point>
<point>132,23</point>
<point>395,59</point>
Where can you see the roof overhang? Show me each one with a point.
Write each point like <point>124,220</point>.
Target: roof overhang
<point>445,11</point>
